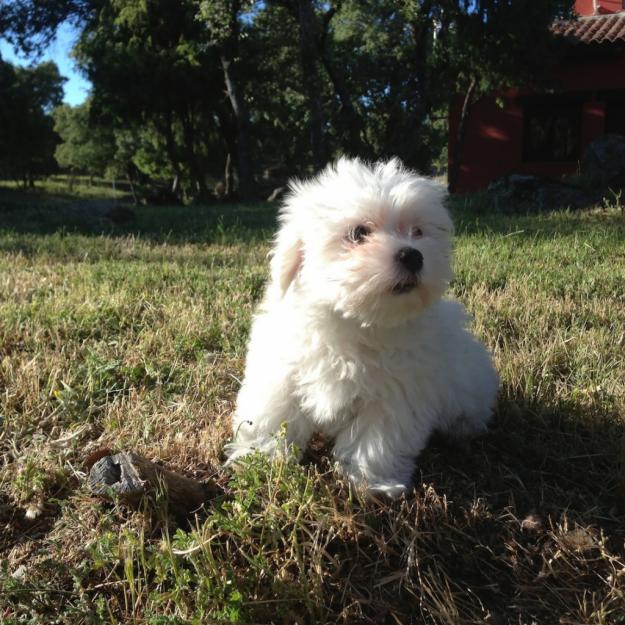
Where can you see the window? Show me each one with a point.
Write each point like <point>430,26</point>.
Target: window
<point>615,114</point>
<point>552,131</point>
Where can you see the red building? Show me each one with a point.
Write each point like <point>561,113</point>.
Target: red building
<point>546,134</point>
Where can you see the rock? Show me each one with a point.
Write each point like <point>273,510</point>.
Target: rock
<point>534,193</point>
<point>120,215</point>
<point>561,195</point>
<point>602,169</point>
<point>131,477</point>
<point>603,163</point>
<point>515,186</point>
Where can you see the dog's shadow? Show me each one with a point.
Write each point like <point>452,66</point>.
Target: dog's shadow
<point>531,461</point>
<point>535,463</point>
<point>521,524</point>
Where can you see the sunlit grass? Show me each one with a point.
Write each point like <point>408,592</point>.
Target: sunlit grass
<point>64,185</point>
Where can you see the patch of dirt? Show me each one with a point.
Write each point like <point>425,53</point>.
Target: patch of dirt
<point>107,210</point>
<point>95,209</point>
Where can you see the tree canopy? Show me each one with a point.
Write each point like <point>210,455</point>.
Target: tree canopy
<point>234,95</point>
<point>84,146</point>
<point>27,138</point>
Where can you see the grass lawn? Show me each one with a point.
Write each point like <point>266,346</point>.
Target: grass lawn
<point>133,337</point>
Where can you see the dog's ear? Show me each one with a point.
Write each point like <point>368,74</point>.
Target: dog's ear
<point>286,257</point>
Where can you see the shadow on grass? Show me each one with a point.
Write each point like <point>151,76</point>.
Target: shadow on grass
<point>36,212</point>
<point>547,499</point>
<point>534,462</point>
<point>524,524</point>
<point>33,213</point>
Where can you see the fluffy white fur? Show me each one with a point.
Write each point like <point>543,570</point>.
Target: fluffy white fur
<point>351,342</point>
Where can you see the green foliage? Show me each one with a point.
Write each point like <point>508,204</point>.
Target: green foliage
<point>85,147</point>
<point>27,138</point>
<point>154,80</point>
<point>217,15</point>
<point>204,91</point>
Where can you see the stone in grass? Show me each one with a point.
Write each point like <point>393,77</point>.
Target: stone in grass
<point>535,193</point>
<point>120,215</point>
<point>130,477</point>
<point>603,162</point>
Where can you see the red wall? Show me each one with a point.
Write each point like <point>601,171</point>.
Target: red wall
<point>493,144</point>
<point>610,6</point>
<point>586,7</point>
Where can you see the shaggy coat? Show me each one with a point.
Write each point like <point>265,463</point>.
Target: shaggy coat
<point>353,337</point>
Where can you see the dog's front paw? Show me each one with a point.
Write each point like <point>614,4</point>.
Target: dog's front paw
<point>241,447</point>
<point>234,451</point>
<point>390,489</point>
<point>372,486</point>
<point>273,446</point>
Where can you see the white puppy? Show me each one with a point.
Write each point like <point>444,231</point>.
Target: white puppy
<point>353,338</point>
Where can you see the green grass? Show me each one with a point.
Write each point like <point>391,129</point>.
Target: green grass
<point>133,337</point>
<point>59,187</point>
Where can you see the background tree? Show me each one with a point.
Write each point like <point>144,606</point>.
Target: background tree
<point>246,92</point>
<point>85,147</point>
<point>149,67</point>
<point>223,24</point>
<point>27,137</point>
<point>492,45</point>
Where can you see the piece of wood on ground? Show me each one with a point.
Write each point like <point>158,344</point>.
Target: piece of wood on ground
<point>130,477</point>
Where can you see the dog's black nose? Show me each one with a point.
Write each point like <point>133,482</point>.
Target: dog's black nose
<point>410,258</point>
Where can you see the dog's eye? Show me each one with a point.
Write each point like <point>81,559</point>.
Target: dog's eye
<point>359,234</point>
<point>416,232</point>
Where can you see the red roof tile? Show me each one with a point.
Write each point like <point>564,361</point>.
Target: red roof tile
<point>593,29</point>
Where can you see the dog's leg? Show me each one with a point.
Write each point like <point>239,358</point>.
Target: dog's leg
<point>467,425</point>
<point>264,412</point>
<point>472,390</point>
<point>377,450</point>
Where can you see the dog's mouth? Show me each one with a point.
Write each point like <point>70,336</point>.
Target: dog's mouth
<point>405,286</point>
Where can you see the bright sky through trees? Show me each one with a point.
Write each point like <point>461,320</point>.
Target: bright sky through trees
<point>76,88</point>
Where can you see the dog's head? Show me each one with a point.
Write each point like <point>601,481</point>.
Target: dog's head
<point>370,242</point>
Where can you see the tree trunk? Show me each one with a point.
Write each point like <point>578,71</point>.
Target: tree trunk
<point>228,134</point>
<point>308,58</point>
<point>352,124</point>
<point>228,177</point>
<point>170,145</point>
<point>456,160</point>
<point>241,114</point>
<point>228,55</point>
<point>421,29</point>
<point>196,170</point>
<point>135,199</point>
